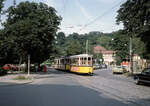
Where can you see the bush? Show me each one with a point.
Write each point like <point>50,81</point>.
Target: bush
<point>128,74</point>
<point>3,72</point>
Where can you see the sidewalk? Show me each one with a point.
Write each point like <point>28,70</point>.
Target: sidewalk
<point>9,80</point>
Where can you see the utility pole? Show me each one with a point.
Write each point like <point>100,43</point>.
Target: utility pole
<point>87,47</point>
<point>131,54</point>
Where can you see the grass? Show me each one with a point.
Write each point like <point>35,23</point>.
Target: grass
<point>21,77</point>
<point>128,74</point>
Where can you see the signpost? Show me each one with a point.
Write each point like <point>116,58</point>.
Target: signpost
<point>28,65</point>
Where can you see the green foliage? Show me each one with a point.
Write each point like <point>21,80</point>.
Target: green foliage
<point>8,50</point>
<point>76,43</point>
<point>120,44</point>
<point>1,5</point>
<point>74,48</point>
<point>138,46</point>
<point>30,29</point>
<point>99,58</point>
<point>60,38</point>
<point>104,41</point>
<point>117,41</point>
<point>135,16</point>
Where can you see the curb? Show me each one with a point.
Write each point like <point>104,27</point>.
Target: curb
<point>15,83</point>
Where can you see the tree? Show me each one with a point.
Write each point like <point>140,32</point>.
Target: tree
<point>120,44</point>
<point>8,51</point>
<point>138,46</point>
<point>74,48</point>
<point>32,28</point>
<point>1,5</point>
<point>135,16</point>
<point>104,41</point>
<point>60,37</point>
<point>99,58</point>
<point>2,55</point>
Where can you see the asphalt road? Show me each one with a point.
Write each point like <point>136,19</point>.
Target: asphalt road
<point>57,88</point>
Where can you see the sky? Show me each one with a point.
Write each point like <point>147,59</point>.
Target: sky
<point>83,16</point>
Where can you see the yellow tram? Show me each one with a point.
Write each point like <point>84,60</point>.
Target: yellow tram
<point>78,63</point>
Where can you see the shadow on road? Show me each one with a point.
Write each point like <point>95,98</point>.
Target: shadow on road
<point>54,71</point>
<point>145,84</point>
<point>56,95</point>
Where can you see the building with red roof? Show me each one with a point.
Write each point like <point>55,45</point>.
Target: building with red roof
<point>108,55</point>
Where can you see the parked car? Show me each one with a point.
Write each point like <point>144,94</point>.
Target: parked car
<point>143,77</point>
<point>97,66</point>
<point>126,68</point>
<point>117,69</point>
<point>103,66</point>
<point>10,67</point>
<point>5,67</point>
<point>3,71</point>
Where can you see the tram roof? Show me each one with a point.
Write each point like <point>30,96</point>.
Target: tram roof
<point>81,55</point>
<point>63,57</point>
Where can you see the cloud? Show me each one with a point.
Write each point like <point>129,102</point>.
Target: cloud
<point>83,10</point>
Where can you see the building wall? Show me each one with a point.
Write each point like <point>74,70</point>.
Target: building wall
<point>108,55</point>
<point>108,58</point>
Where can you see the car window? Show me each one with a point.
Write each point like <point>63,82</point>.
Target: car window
<point>146,70</point>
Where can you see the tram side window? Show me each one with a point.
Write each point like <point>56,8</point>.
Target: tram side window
<point>56,62</point>
<point>83,61</point>
<point>86,61</point>
<point>89,61</point>
<point>75,61</point>
<point>62,61</point>
<point>67,61</point>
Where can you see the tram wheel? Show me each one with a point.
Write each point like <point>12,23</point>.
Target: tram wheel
<point>91,74</point>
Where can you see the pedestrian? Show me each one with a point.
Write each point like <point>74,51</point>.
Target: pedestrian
<point>45,68</point>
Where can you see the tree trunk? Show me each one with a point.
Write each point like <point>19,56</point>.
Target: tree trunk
<point>20,63</point>
<point>28,64</point>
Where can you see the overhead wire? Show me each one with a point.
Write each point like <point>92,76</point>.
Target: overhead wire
<point>99,17</point>
<point>63,9</point>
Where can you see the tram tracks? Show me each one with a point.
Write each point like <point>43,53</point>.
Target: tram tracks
<point>107,90</point>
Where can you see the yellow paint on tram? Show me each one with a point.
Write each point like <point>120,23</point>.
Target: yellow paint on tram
<point>78,63</point>
<point>82,69</point>
<point>67,67</point>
